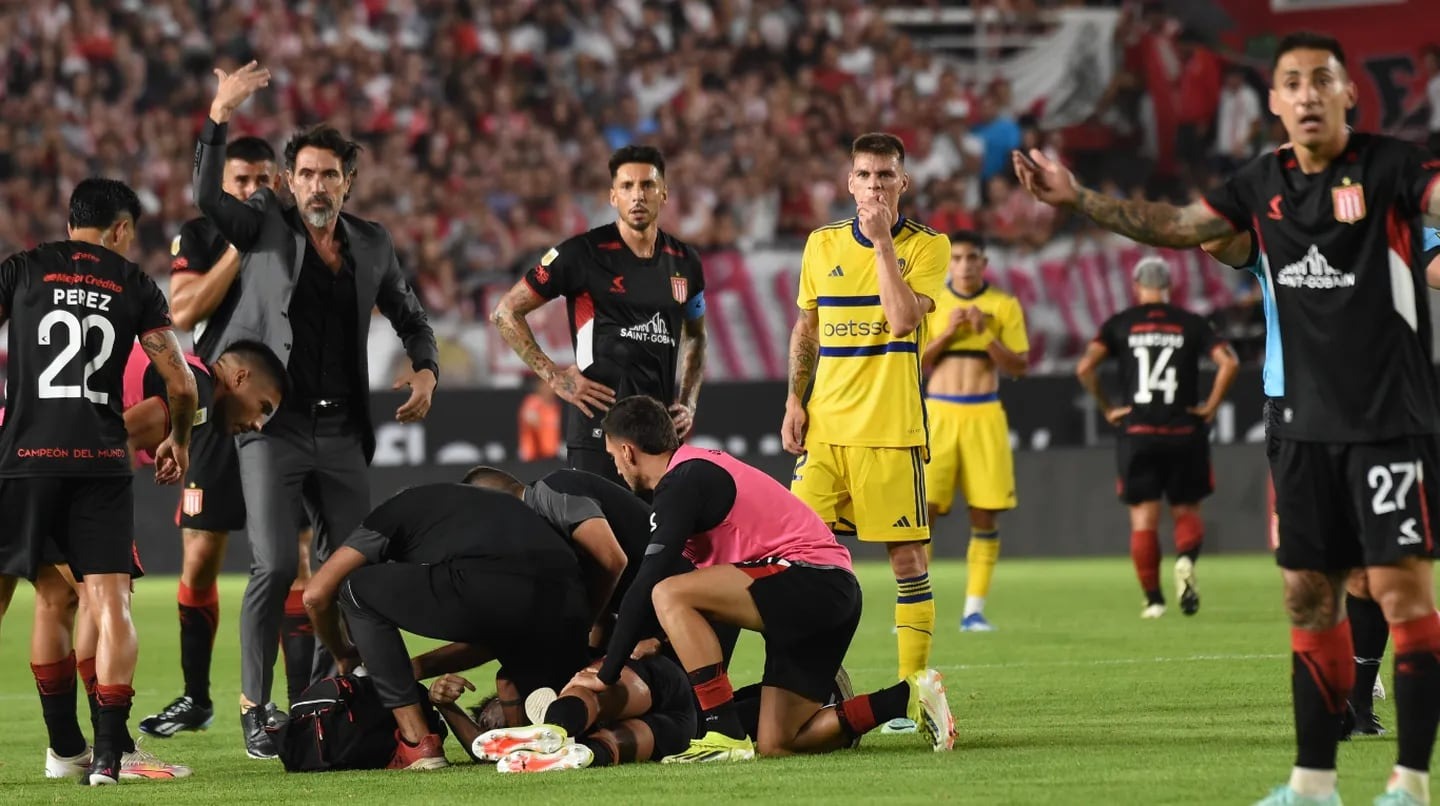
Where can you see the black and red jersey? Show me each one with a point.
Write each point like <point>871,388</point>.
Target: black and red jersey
<point>1340,258</point>
<point>1158,348</point>
<point>74,310</point>
<point>626,314</point>
<point>196,250</point>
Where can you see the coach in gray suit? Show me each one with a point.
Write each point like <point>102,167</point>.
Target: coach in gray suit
<point>309,277</point>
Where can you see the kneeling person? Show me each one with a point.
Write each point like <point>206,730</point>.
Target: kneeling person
<point>767,563</point>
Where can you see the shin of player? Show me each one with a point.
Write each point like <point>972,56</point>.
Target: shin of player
<point>854,413</point>
<point>977,332</point>
<point>1163,448</point>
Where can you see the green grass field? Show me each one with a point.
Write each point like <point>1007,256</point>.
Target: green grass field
<point>1075,700</point>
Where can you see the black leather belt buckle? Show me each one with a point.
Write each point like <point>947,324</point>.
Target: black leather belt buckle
<point>327,406</point>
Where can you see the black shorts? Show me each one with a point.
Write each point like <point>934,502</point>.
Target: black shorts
<point>89,521</point>
<point>672,717</point>
<point>212,499</point>
<point>594,460</point>
<point>810,615</point>
<point>1347,505</point>
<point>1175,468</point>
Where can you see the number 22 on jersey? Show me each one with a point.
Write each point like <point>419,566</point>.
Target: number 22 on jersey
<point>74,332</point>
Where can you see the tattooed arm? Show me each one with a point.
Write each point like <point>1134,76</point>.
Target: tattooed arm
<point>570,384</point>
<point>692,372</point>
<point>804,356</point>
<point>172,456</point>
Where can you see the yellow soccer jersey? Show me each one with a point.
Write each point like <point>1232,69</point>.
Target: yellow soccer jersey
<point>867,387</point>
<point>1004,320</point>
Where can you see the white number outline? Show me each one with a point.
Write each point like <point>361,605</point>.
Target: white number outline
<point>1382,480</point>
<point>1150,376</point>
<point>76,330</point>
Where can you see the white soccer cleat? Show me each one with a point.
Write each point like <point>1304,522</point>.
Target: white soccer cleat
<point>538,703</point>
<point>1153,611</point>
<point>67,766</point>
<point>1185,585</point>
<point>493,745</point>
<point>569,757</point>
<point>929,708</point>
<point>143,765</point>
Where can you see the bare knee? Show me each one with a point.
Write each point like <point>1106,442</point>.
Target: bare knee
<point>54,595</point>
<point>1358,584</point>
<point>1313,598</point>
<point>1404,592</point>
<point>773,747</point>
<point>666,596</point>
<point>983,519</point>
<point>908,559</point>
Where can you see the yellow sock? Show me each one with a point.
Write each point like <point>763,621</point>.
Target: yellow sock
<point>980,560</point>
<point>914,623</point>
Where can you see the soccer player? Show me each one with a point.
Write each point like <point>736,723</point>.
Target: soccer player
<point>649,715</point>
<point>1164,448</point>
<point>64,466</point>
<point>766,563</point>
<point>636,302</point>
<point>1338,221</point>
<point>458,563</point>
<point>977,332</point>
<point>854,413</point>
<point>234,396</point>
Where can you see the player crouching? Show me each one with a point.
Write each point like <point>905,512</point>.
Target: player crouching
<point>764,562</point>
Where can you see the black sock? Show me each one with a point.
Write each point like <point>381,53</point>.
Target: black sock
<point>569,713</point>
<point>1370,633</point>
<point>747,707</point>
<point>1322,665</point>
<point>297,641</point>
<point>197,646</point>
<point>1417,689</point>
<point>891,703</point>
<point>601,751</point>
<point>1154,597</point>
<point>717,701</point>
<point>56,684</point>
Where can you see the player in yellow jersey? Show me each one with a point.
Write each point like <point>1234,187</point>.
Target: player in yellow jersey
<point>854,414</point>
<point>978,333</point>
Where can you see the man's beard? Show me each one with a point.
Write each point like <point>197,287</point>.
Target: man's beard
<point>319,219</point>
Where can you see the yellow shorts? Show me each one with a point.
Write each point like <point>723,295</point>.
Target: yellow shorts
<point>969,448</point>
<point>877,494</point>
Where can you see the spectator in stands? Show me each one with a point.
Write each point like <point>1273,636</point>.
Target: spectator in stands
<point>1000,133</point>
<point>1237,122</point>
<point>539,423</point>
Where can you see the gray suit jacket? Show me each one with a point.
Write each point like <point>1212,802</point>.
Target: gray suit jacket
<point>271,242</point>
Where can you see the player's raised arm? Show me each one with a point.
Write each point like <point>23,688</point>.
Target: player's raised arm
<point>1154,223</point>
<point>1236,251</point>
<point>172,456</point>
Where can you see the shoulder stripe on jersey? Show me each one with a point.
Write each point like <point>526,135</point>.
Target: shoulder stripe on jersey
<point>842,223</point>
<point>917,226</point>
<point>869,350</point>
<point>848,302</point>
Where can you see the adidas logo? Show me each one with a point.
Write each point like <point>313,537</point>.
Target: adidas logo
<point>1314,271</point>
<point>837,272</point>
<point>903,523</point>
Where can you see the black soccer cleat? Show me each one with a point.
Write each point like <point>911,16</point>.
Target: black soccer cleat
<point>180,715</point>
<point>1367,724</point>
<point>104,769</point>
<point>258,743</point>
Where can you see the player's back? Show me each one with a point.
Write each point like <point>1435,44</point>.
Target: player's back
<point>1158,347</point>
<point>867,385</point>
<point>74,311</point>
<point>628,516</point>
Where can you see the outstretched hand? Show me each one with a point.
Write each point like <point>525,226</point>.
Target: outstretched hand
<point>236,88</point>
<point>1047,180</point>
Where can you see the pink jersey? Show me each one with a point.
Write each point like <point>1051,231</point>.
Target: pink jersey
<point>766,522</point>
<point>134,389</point>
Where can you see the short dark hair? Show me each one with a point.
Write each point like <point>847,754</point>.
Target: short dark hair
<point>329,138</point>
<point>249,149</point>
<point>882,143</point>
<point>969,236</point>
<point>1309,40</point>
<point>645,155</point>
<point>643,421</point>
<point>493,478</point>
<point>260,358</point>
<point>488,714</point>
<point>97,203</point>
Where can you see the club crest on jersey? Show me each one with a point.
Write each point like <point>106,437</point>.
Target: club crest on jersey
<point>1349,202</point>
<point>678,287</point>
<point>193,501</point>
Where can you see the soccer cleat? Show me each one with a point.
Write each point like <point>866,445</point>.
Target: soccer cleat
<point>1378,691</point>
<point>930,709</point>
<point>568,757</point>
<point>141,765</point>
<point>103,770</point>
<point>1398,797</point>
<point>843,690</point>
<point>899,725</point>
<point>183,713</point>
<point>975,622</point>
<point>1285,796</point>
<point>1155,610</point>
<point>1185,583</point>
<point>258,743</point>
<point>493,745</point>
<point>67,766</point>
<point>713,746</point>
<point>538,703</point>
<point>1367,724</point>
<point>429,754</point>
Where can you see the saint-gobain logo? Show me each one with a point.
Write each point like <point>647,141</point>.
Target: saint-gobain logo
<point>1314,271</point>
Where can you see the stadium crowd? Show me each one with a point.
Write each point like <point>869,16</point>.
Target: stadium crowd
<point>487,125</point>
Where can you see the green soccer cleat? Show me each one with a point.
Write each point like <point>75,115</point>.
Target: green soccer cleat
<point>1285,796</point>
<point>713,746</point>
<point>930,710</point>
<point>1397,797</point>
